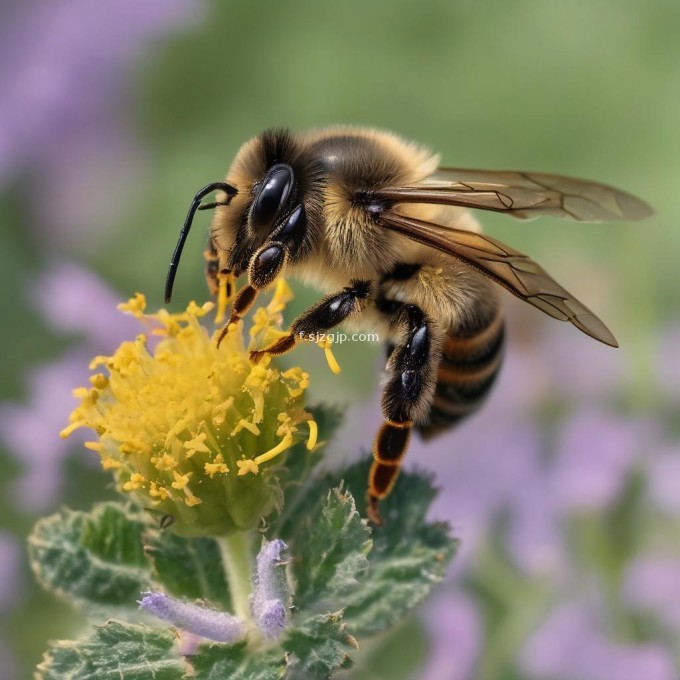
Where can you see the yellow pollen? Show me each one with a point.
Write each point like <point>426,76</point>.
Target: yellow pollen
<point>69,429</point>
<point>218,466</point>
<point>135,306</point>
<point>109,463</point>
<point>173,418</point>
<point>197,444</point>
<point>283,294</point>
<point>99,381</point>
<point>181,481</point>
<point>223,300</point>
<point>159,492</point>
<point>245,425</point>
<point>197,311</point>
<point>284,444</point>
<point>313,434</point>
<point>246,466</point>
<point>136,481</point>
<point>98,361</point>
<point>333,364</point>
<point>164,462</point>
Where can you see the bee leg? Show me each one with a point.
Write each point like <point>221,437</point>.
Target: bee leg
<point>264,266</point>
<point>221,282</point>
<point>212,267</point>
<point>406,397</point>
<point>323,316</point>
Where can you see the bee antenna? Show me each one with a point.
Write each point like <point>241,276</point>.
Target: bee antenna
<point>231,191</point>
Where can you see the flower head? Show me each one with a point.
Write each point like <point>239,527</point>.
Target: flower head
<point>193,430</point>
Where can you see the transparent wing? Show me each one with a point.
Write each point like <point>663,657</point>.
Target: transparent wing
<point>511,269</point>
<point>524,195</point>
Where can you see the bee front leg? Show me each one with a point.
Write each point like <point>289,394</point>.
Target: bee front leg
<point>406,398</point>
<point>328,313</point>
<point>264,266</point>
<point>212,267</point>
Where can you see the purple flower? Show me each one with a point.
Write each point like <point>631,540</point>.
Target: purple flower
<point>668,361</point>
<point>652,584</point>
<point>663,473</point>
<point>74,301</point>
<point>577,368</point>
<point>8,664</point>
<point>270,590</point>
<point>594,454</point>
<point>206,623</point>
<point>456,636</point>
<point>11,572</point>
<point>63,71</point>
<point>570,644</point>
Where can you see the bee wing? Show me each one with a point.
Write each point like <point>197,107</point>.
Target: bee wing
<point>511,269</point>
<point>521,194</point>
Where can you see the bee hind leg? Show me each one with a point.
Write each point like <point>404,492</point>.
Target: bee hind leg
<point>326,314</point>
<point>407,396</point>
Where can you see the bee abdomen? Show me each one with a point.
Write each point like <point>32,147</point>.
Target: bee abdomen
<point>470,362</point>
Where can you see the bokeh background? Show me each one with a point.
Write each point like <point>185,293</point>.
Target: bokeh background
<point>565,491</point>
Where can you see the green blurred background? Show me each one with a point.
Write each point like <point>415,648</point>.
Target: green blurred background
<point>581,88</point>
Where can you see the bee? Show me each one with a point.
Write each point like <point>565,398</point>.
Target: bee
<point>372,220</point>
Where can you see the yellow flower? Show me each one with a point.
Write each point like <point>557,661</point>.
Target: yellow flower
<point>192,430</point>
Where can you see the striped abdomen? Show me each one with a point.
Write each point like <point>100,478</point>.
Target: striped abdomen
<point>470,362</point>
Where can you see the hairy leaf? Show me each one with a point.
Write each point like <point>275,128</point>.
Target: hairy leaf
<point>333,555</point>
<point>94,559</point>
<point>115,651</point>
<point>217,662</point>
<point>408,558</point>
<point>319,646</point>
<point>188,567</point>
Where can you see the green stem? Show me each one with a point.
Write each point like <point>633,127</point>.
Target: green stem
<point>237,560</point>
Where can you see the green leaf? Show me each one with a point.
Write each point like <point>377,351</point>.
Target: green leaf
<point>217,662</point>
<point>333,555</point>
<point>300,462</point>
<point>408,558</point>
<point>95,559</point>
<point>320,646</point>
<point>409,554</point>
<point>188,567</point>
<point>117,651</point>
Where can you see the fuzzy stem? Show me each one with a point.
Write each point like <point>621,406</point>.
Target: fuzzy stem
<point>237,560</point>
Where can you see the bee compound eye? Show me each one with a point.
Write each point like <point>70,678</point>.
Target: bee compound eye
<point>273,194</point>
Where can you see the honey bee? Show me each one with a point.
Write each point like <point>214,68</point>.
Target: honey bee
<point>374,222</point>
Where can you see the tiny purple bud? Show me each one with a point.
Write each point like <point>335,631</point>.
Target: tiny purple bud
<point>208,623</point>
<point>270,590</point>
<point>272,619</point>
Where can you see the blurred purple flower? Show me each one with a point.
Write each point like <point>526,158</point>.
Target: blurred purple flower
<point>11,576</point>
<point>8,664</point>
<point>456,636</point>
<point>594,454</point>
<point>663,473</point>
<point>578,368</point>
<point>63,67</point>
<point>668,361</point>
<point>652,584</point>
<point>481,469</point>
<point>74,301</point>
<point>570,644</point>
